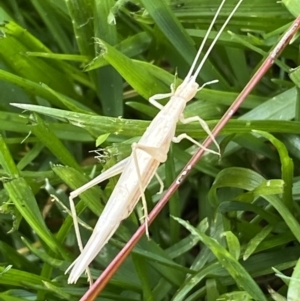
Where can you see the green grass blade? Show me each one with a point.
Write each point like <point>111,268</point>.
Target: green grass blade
<point>239,274</point>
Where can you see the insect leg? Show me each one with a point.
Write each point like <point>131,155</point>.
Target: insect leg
<point>153,99</point>
<point>161,183</point>
<point>115,170</point>
<point>158,154</point>
<point>185,136</point>
<point>205,128</point>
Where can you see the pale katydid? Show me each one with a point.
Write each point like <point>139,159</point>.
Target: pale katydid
<point>139,168</point>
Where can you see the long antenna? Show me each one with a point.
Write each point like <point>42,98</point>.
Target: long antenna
<point>215,39</point>
<point>212,23</point>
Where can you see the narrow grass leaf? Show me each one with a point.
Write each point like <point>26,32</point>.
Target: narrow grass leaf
<point>30,156</point>
<point>132,128</point>
<point>183,246</point>
<point>32,68</point>
<point>101,124</point>
<point>36,89</point>
<point>276,296</point>
<point>267,187</point>
<point>174,203</point>
<point>111,95</point>
<point>53,262</point>
<point>249,180</point>
<point>294,285</point>
<point>256,240</point>
<point>130,47</point>
<point>212,290</point>
<point>81,13</point>
<point>60,292</point>
<point>295,76</point>
<point>17,260</point>
<point>136,73</point>
<point>293,6</point>
<point>172,28</point>
<point>47,137</point>
<point>236,296</point>
<point>239,274</point>
<point>177,36</point>
<point>279,107</point>
<point>287,168</point>
<point>48,13</point>
<point>21,195</point>
<point>233,244</point>
<point>18,278</point>
<point>239,65</point>
<point>101,139</point>
<point>7,161</point>
<point>143,273</point>
<point>159,256</point>
<point>192,280</point>
<point>241,206</point>
<point>65,57</point>
<point>68,103</point>
<point>7,297</point>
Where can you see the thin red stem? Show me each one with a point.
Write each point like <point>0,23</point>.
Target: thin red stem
<point>101,282</point>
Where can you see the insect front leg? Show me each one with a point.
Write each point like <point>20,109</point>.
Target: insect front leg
<point>153,99</point>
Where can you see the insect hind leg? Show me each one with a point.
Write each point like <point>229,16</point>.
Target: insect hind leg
<point>115,170</point>
<point>78,236</point>
<point>159,155</point>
